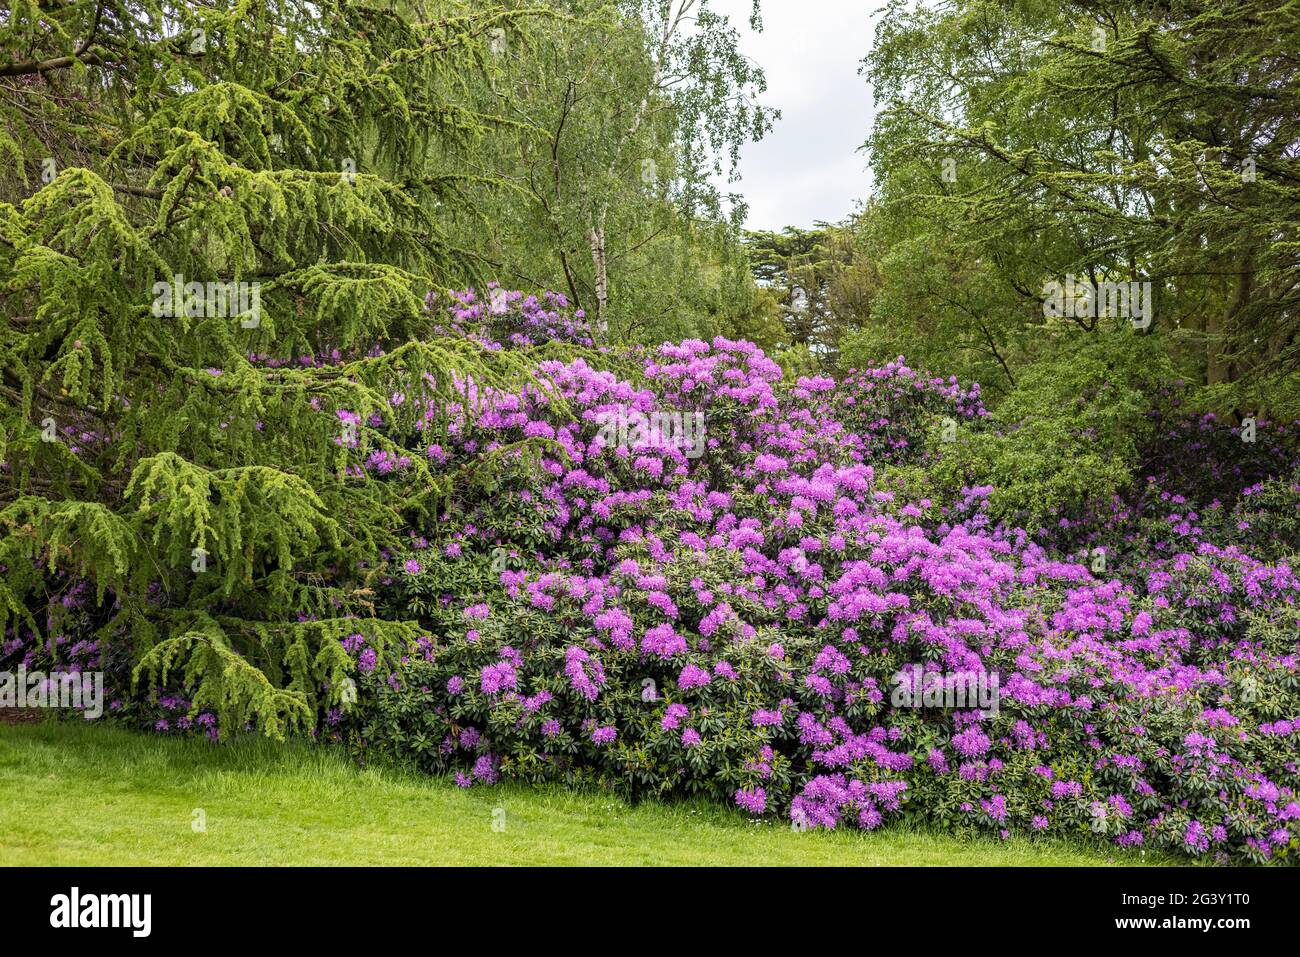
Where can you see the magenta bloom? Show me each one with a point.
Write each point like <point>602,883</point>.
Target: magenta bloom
<point>663,641</point>
<point>693,676</point>
<point>673,715</point>
<point>494,679</point>
<point>585,672</point>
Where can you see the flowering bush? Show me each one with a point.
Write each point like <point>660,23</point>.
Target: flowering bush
<point>761,623</point>
<point>785,624</point>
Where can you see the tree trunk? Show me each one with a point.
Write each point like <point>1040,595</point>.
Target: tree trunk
<point>597,239</point>
<point>1221,329</point>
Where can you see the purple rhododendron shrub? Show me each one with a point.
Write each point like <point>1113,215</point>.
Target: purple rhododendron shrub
<point>759,614</point>
<point>669,572</point>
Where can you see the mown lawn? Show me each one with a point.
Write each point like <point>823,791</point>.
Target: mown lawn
<point>83,795</point>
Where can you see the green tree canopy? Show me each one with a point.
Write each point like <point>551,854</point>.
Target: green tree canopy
<point>620,114</point>
<point>1020,143</point>
<point>217,226</point>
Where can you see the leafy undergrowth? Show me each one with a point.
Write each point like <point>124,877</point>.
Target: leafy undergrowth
<point>72,794</point>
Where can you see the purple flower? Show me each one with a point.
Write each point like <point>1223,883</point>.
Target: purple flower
<point>754,801</point>
<point>971,743</point>
<point>494,679</point>
<point>693,676</point>
<point>485,769</point>
<point>585,673</point>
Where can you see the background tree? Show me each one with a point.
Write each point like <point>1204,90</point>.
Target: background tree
<point>822,282</point>
<point>618,116</point>
<point>1111,141</point>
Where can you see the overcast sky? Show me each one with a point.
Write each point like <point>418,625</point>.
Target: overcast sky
<point>808,168</point>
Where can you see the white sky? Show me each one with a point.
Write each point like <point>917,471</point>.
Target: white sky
<point>808,167</point>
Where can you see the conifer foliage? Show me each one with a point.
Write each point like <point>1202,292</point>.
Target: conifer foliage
<point>217,226</point>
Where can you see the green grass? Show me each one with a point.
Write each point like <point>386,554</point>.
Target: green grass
<point>73,794</point>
